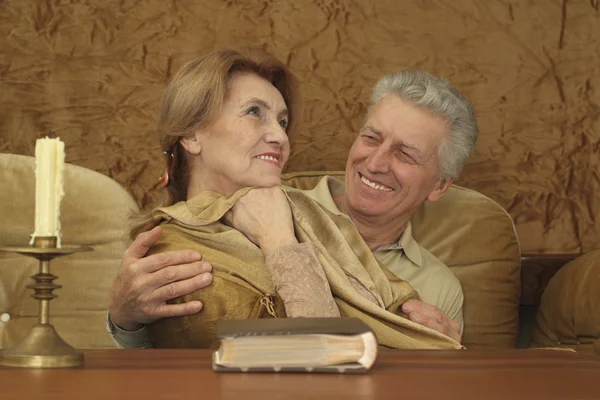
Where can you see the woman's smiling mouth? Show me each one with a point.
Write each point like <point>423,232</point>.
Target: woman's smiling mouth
<point>272,158</point>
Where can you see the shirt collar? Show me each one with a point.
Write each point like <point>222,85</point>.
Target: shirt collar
<point>410,247</point>
<point>328,187</point>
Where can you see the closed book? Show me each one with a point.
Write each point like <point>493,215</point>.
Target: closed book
<point>338,345</point>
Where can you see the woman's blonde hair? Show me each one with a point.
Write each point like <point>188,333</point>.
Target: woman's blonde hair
<point>193,97</point>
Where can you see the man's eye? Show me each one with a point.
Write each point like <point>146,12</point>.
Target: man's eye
<point>283,123</point>
<point>405,157</point>
<point>254,111</point>
<point>369,138</point>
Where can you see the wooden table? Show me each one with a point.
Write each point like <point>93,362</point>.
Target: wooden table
<point>428,374</point>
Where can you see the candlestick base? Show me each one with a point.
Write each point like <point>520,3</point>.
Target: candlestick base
<point>43,347</point>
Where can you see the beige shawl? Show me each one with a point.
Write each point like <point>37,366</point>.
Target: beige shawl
<point>340,250</point>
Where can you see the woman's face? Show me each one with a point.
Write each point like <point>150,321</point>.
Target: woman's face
<point>247,143</point>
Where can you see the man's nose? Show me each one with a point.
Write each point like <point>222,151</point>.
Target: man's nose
<point>379,161</point>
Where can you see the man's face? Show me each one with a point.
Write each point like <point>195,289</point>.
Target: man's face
<point>392,166</point>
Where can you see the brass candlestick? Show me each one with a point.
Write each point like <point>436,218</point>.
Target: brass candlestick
<point>43,347</point>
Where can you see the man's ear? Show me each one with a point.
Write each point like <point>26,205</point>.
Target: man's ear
<point>191,143</point>
<point>440,188</point>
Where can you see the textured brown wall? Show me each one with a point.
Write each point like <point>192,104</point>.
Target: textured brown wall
<point>92,73</point>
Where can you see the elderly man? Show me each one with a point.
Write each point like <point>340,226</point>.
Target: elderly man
<point>418,134</point>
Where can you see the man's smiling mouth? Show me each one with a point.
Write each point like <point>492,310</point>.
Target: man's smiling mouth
<point>374,185</point>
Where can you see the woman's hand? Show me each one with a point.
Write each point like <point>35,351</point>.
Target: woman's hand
<point>265,217</point>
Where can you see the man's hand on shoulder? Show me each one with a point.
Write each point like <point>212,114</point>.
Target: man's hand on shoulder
<point>143,285</point>
<point>432,317</point>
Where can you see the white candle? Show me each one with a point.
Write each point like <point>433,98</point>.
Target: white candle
<point>49,167</point>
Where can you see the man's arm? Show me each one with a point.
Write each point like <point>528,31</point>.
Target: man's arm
<point>432,317</point>
<point>143,286</point>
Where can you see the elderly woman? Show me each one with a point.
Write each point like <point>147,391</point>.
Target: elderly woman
<point>224,123</point>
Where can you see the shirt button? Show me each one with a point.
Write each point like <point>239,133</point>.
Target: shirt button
<point>4,317</point>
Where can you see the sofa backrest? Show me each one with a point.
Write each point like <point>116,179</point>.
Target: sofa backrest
<point>472,234</point>
<point>476,238</point>
<point>94,212</point>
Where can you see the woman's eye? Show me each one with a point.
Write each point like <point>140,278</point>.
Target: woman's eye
<point>254,111</point>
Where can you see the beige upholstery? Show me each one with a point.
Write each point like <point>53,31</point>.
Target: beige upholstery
<point>476,238</point>
<point>569,313</point>
<point>94,212</point>
<point>466,230</point>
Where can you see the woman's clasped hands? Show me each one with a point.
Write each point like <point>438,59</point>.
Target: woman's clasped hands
<point>264,216</point>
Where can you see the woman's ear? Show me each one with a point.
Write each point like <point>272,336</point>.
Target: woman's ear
<point>191,144</point>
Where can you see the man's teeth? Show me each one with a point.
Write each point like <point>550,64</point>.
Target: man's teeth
<point>375,185</point>
<point>267,158</point>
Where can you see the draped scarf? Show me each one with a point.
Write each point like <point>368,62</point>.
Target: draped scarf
<point>340,250</point>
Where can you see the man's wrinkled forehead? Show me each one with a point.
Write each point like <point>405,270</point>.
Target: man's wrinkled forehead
<point>406,125</point>
<point>397,142</point>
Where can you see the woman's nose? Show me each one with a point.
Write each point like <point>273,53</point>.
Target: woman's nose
<point>276,133</point>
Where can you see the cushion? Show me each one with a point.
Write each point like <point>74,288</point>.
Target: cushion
<point>476,238</point>
<point>569,312</point>
<point>94,213</point>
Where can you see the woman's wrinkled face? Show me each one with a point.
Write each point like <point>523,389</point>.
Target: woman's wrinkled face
<point>246,144</point>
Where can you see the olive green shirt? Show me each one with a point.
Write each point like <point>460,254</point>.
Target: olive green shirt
<point>431,278</point>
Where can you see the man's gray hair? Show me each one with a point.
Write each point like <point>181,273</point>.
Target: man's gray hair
<point>438,96</point>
